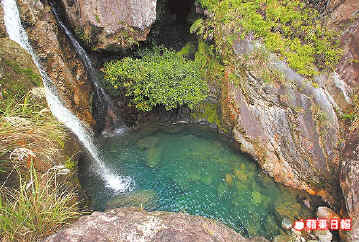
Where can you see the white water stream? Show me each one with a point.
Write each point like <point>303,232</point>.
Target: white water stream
<point>17,33</point>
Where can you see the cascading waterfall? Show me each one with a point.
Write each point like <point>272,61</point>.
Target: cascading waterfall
<point>103,98</point>
<point>17,33</point>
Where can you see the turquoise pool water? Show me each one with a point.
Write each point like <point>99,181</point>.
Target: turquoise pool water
<point>194,170</point>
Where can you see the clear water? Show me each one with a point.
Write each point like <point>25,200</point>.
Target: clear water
<point>193,170</point>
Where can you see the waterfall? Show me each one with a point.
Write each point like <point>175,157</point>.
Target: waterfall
<point>17,33</point>
<point>103,98</point>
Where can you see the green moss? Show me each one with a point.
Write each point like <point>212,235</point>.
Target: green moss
<point>153,156</point>
<point>210,66</point>
<point>97,18</point>
<point>188,50</point>
<point>127,36</point>
<point>256,197</point>
<point>84,36</point>
<point>288,28</point>
<point>70,164</point>
<point>209,112</point>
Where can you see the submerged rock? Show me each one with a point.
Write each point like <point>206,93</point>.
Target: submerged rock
<point>142,199</point>
<point>153,156</point>
<point>130,224</point>
<point>147,142</point>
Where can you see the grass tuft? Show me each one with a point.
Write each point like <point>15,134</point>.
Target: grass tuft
<point>39,207</point>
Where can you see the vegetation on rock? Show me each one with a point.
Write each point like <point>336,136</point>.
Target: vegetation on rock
<point>158,77</point>
<point>288,28</point>
<point>34,201</point>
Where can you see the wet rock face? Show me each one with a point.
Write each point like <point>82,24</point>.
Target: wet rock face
<point>346,14</point>
<point>111,24</point>
<point>290,127</point>
<point>131,224</point>
<point>349,65</point>
<point>349,183</point>
<point>57,58</point>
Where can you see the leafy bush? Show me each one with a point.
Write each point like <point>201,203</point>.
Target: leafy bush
<point>160,76</point>
<point>287,27</point>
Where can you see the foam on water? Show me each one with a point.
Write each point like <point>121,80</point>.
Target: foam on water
<point>17,33</point>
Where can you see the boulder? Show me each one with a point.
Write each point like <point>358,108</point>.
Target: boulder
<point>131,224</point>
<point>111,24</point>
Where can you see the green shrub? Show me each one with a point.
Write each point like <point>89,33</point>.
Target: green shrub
<point>287,27</point>
<point>160,76</point>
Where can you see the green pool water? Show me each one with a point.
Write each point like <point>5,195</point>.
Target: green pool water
<point>192,169</point>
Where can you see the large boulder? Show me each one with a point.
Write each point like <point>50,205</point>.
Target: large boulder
<point>111,24</point>
<point>131,224</point>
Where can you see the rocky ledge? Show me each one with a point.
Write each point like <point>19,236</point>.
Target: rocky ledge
<point>111,25</point>
<point>133,224</point>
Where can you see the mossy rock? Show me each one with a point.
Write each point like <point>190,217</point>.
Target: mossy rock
<point>289,209</point>
<point>147,142</point>
<point>195,175</point>
<point>208,112</point>
<point>18,73</point>
<point>221,190</point>
<point>240,186</point>
<point>143,199</point>
<point>207,179</point>
<point>271,226</point>
<point>257,197</point>
<point>241,175</point>
<point>153,156</point>
<point>229,179</point>
<point>254,226</point>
